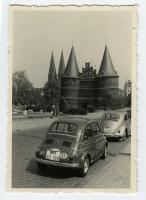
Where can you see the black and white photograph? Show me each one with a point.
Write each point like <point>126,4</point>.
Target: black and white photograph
<point>73,98</point>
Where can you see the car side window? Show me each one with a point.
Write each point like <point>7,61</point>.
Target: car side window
<point>95,128</point>
<point>87,132</point>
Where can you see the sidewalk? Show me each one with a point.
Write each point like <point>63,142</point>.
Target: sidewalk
<point>34,123</point>
<point>39,115</point>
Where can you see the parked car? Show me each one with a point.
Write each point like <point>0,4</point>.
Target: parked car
<point>116,124</point>
<point>72,142</point>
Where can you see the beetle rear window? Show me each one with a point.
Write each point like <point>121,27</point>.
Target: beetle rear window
<point>113,117</point>
<point>63,127</point>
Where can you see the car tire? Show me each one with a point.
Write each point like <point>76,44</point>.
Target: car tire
<point>84,170</point>
<point>104,153</point>
<point>126,131</point>
<point>41,166</point>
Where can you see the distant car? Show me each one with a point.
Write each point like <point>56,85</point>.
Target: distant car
<point>116,124</point>
<point>72,142</point>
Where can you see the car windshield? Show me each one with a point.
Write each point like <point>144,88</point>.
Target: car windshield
<point>112,117</point>
<point>63,127</point>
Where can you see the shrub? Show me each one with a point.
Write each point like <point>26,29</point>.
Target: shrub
<point>75,111</point>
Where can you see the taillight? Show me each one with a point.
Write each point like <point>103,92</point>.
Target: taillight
<point>74,151</point>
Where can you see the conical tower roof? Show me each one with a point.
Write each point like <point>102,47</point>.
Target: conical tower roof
<point>52,70</point>
<point>72,69</point>
<point>107,68</point>
<point>61,65</point>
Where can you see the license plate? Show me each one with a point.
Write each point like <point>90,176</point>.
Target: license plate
<point>52,155</point>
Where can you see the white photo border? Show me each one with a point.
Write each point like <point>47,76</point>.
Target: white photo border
<point>141,101</point>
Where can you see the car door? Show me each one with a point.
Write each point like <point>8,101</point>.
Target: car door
<point>98,139</point>
<point>87,143</point>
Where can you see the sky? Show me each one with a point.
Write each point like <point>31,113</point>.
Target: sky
<point>36,33</point>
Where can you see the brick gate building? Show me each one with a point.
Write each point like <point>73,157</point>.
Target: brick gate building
<point>87,89</point>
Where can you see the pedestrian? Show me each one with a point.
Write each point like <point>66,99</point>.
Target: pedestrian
<point>54,110</point>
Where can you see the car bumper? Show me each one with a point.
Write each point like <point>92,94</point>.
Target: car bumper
<point>113,136</point>
<point>57,164</point>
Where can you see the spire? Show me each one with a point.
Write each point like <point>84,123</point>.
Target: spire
<point>72,69</point>
<point>52,70</point>
<point>61,65</point>
<point>107,68</point>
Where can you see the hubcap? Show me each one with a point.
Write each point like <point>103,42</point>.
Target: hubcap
<point>86,166</point>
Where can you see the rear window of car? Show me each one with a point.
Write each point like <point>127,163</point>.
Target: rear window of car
<point>63,127</point>
<point>113,117</point>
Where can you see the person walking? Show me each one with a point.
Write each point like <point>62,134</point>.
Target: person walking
<point>54,110</point>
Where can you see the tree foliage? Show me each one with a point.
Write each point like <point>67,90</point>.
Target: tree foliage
<point>21,89</point>
<point>51,93</point>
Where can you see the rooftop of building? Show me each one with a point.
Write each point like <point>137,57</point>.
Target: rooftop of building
<point>72,70</point>
<point>106,67</point>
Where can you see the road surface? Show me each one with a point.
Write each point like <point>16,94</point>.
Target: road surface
<point>113,172</point>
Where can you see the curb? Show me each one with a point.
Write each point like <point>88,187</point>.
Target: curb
<point>30,117</point>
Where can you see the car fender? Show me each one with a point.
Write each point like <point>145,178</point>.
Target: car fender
<point>122,129</point>
<point>84,155</point>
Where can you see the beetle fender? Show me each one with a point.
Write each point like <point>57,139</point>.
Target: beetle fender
<point>84,155</point>
<point>122,129</point>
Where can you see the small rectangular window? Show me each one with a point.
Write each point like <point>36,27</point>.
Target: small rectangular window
<point>87,132</point>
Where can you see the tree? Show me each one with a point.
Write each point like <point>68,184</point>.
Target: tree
<point>21,89</point>
<point>51,93</point>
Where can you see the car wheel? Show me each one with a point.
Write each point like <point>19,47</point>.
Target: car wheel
<point>126,131</point>
<point>41,166</point>
<point>104,153</point>
<point>84,170</point>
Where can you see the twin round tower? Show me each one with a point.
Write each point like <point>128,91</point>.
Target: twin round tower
<point>86,89</point>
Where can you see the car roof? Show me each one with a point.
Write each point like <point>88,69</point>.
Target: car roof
<point>72,119</point>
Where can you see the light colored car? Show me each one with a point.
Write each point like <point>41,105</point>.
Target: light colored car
<point>116,124</point>
<point>72,142</point>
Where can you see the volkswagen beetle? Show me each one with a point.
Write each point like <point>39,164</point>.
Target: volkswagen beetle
<point>72,142</point>
<point>116,124</point>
